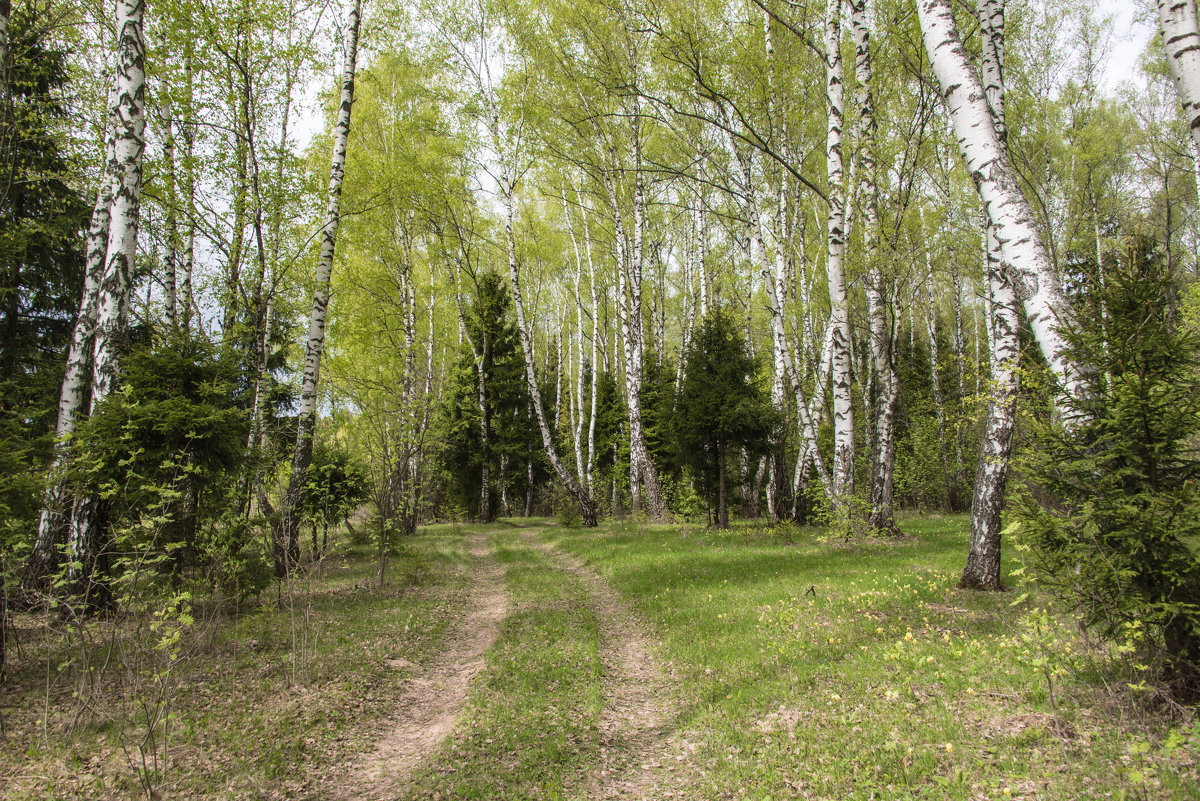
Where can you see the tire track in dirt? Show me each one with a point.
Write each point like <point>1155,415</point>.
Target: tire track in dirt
<point>637,712</point>
<point>433,702</point>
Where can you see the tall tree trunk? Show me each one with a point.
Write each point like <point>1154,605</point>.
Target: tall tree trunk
<point>286,542</point>
<point>982,570</point>
<point>882,361</point>
<point>843,402</point>
<point>54,520</point>
<point>655,502</point>
<point>171,267</point>
<point>85,541</point>
<point>591,436</point>
<point>188,256</point>
<point>1181,40</point>
<point>935,378</point>
<point>1024,254</point>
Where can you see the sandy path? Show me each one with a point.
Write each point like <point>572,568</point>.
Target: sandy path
<point>432,702</point>
<point>636,716</point>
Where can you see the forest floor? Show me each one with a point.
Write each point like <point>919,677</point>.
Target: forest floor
<point>523,660</point>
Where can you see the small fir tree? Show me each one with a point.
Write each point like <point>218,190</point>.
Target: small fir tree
<point>1119,532</point>
<point>721,409</point>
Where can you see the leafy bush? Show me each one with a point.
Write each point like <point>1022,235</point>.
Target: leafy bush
<point>568,516</point>
<point>1118,535</point>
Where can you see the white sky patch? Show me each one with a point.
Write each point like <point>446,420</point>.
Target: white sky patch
<point>1132,34</point>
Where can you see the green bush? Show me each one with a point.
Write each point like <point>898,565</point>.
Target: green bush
<point>1117,535</point>
<point>568,516</point>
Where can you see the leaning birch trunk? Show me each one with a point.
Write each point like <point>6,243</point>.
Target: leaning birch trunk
<point>54,520</point>
<point>882,518</point>
<point>286,543</point>
<point>1029,267</point>
<point>843,402</point>
<point>85,541</point>
<point>982,570</point>
<point>1180,31</point>
<point>587,506</point>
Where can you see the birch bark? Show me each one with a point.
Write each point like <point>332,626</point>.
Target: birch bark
<point>85,541</point>
<point>982,570</point>
<point>882,366</point>
<point>286,543</point>
<point>1180,32</point>
<point>843,403</point>
<point>1025,257</point>
<point>54,519</point>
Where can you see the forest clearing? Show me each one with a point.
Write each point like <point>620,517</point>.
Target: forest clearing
<point>601,399</point>
<point>772,664</point>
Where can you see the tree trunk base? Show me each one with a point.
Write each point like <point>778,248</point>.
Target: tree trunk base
<point>970,580</point>
<point>884,527</point>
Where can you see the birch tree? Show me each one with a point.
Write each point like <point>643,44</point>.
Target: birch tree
<point>883,368</point>
<point>982,570</point>
<point>1007,209</point>
<point>85,543</point>
<point>286,547</point>
<point>52,525</point>
<point>843,404</point>
<point>1180,31</point>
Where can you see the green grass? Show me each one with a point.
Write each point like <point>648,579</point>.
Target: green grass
<point>530,731</point>
<point>798,667</point>
<point>832,670</point>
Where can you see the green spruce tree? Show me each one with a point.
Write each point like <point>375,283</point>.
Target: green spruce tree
<point>1117,535</point>
<point>722,408</point>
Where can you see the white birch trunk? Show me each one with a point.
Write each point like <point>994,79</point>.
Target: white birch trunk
<point>634,371</point>
<point>1025,257</point>
<point>286,544</point>
<point>1180,31</point>
<point>577,403</point>
<point>982,570</point>
<point>935,378</point>
<point>843,402</point>
<point>882,366</point>
<point>591,436</point>
<point>129,125</point>
<point>52,525</point>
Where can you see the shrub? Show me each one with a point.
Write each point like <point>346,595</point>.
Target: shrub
<point>1117,535</point>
